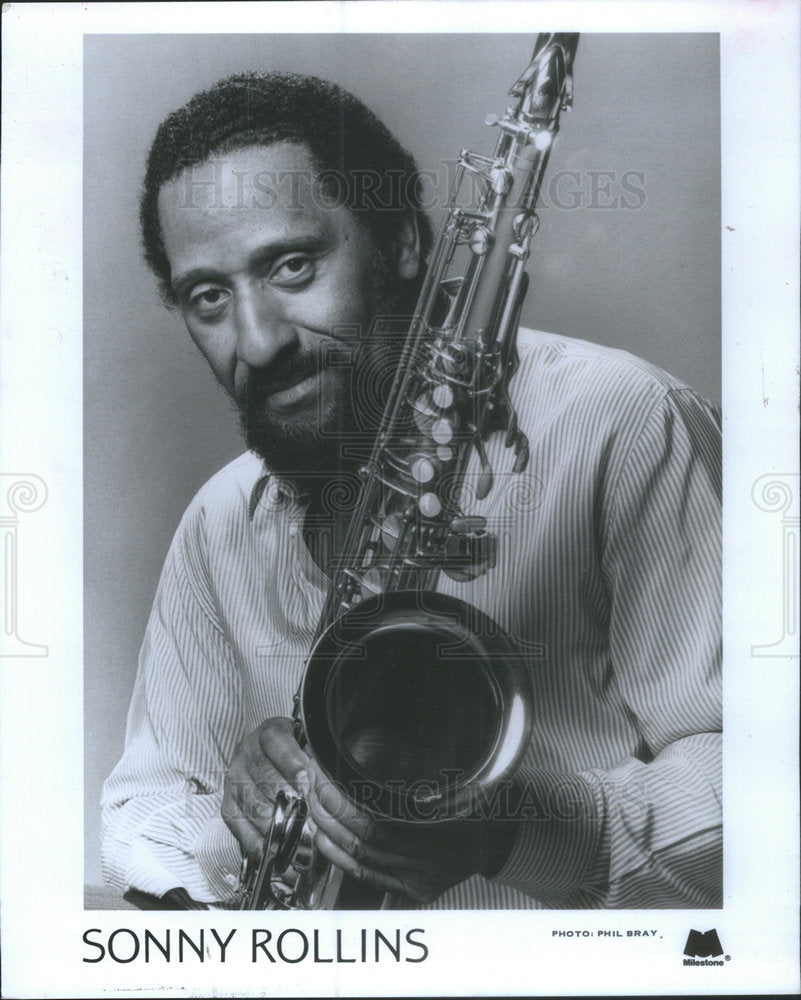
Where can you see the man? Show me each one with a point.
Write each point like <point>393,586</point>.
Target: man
<point>261,226</point>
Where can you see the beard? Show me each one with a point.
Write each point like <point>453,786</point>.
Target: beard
<point>334,441</point>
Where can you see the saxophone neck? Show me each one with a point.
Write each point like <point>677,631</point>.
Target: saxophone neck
<point>548,76</point>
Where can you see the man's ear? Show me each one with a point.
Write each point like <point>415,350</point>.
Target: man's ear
<point>407,248</point>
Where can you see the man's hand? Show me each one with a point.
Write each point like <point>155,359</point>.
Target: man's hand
<point>420,861</point>
<point>265,762</point>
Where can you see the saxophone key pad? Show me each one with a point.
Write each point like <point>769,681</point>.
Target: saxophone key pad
<point>430,505</point>
<point>442,431</point>
<point>442,395</point>
<point>423,469</point>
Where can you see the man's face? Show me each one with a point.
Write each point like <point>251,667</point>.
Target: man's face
<point>273,282</point>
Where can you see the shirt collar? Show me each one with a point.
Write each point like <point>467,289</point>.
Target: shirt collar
<point>272,491</point>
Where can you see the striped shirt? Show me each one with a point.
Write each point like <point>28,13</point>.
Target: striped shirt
<point>608,577</point>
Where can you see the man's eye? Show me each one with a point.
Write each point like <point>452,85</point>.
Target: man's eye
<point>209,300</point>
<point>293,270</point>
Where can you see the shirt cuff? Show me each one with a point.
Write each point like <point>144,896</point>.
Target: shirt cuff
<point>178,847</point>
<point>559,842</point>
<point>219,857</point>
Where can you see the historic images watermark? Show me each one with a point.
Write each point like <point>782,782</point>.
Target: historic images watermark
<point>215,185</point>
<point>778,494</point>
<point>20,493</point>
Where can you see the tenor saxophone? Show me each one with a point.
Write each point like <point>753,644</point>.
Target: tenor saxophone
<point>389,649</point>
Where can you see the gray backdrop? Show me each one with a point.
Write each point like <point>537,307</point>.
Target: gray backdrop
<point>645,278</point>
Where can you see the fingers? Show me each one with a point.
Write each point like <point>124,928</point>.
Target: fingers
<point>250,837</point>
<point>332,803</point>
<point>277,743</point>
<point>386,870</point>
<point>365,854</point>
<point>350,839</point>
<point>267,761</point>
<point>419,864</point>
<point>384,880</point>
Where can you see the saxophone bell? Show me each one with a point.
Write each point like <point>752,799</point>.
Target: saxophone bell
<point>415,704</point>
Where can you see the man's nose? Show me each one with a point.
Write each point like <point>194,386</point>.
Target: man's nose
<point>262,329</point>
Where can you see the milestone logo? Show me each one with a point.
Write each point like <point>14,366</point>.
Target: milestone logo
<point>704,946</point>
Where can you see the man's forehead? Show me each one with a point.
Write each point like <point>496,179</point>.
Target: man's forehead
<point>281,175</point>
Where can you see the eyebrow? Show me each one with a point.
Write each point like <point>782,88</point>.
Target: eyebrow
<point>300,243</point>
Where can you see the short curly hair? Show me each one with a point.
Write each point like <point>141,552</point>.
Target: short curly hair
<point>250,109</point>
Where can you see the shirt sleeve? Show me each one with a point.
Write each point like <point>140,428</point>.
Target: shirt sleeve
<point>161,824</point>
<point>647,833</point>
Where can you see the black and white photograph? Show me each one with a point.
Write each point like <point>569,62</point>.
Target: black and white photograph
<point>417,423</point>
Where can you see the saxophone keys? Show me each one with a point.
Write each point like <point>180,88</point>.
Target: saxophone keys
<point>484,482</point>
<point>423,469</point>
<point>469,548</point>
<point>424,412</point>
<point>372,581</point>
<point>470,524</point>
<point>442,396</point>
<point>390,530</point>
<point>501,179</point>
<point>455,359</point>
<point>480,240</point>
<point>430,505</point>
<point>522,452</point>
<point>486,476</point>
<point>511,430</point>
<point>525,226</point>
<point>442,431</point>
<point>428,419</point>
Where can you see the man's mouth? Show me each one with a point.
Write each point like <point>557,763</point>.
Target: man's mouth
<point>297,396</point>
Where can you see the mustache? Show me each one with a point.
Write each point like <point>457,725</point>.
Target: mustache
<point>261,383</point>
